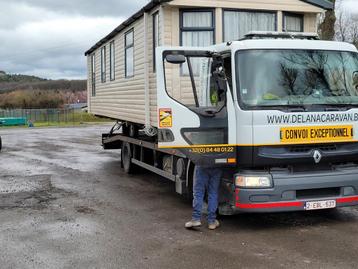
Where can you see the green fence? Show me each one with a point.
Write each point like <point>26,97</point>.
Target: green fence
<point>43,115</point>
<point>52,117</point>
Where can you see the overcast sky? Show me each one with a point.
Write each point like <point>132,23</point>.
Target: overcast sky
<point>48,38</point>
<point>350,5</point>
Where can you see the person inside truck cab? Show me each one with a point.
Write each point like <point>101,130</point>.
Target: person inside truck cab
<point>217,96</point>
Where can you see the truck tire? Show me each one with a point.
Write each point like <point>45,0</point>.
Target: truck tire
<point>0,143</point>
<point>126,157</point>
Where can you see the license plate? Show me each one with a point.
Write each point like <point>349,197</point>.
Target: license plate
<point>320,205</point>
<point>315,134</point>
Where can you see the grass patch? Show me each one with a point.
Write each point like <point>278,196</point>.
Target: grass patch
<point>86,117</point>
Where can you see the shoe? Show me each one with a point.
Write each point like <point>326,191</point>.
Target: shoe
<point>193,224</point>
<point>214,225</point>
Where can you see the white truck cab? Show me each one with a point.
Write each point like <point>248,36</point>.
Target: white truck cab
<point>277,111</point>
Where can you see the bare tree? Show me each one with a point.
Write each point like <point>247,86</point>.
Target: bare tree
<point>354,33</point>
<point>339,24</point>
<point>346,25</point>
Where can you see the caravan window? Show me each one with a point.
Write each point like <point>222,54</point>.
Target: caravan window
<point>155,35</point>
<point>103,64</point>
<point>112,60</point>
<point>238,23</point>
<point>292,22</point>
<point>197,28</point>
<point>129,54</point>
<point>93,74</point>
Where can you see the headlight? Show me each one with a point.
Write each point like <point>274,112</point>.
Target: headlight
<point>253,181</point>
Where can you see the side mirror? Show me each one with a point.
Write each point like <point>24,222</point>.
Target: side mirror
<point>175,58</point>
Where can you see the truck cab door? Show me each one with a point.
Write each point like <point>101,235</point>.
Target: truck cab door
<point>195,106</point>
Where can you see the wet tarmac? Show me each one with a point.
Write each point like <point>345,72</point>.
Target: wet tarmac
<point>66,203</point>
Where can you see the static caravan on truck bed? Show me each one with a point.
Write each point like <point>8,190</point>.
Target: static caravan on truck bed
<point>121,67</point>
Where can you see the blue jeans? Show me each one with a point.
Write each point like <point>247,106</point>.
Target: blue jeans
<point>206,179</point>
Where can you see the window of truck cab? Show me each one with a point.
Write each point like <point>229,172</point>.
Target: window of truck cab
<point>289,78</point>
<point>129,53</point>
<point>204,93</point>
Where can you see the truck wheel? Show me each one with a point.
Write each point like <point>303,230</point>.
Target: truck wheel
<point>0,143</point>
<point>126,155</point>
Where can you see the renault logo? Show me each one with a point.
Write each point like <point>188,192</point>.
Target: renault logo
<point>317,156</point>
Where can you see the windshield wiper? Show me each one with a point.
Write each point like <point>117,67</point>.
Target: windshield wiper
<point>333,107</point>
<point>309,107</point>
<point>297,108</point>
<point>288,108</point>
<point>340,106</point>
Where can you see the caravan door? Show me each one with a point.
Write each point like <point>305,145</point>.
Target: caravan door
<point>195,106</point>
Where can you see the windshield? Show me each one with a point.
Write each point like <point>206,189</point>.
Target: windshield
<point>271,78</point>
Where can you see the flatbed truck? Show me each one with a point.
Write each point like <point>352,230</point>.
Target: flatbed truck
<point>278,112</point>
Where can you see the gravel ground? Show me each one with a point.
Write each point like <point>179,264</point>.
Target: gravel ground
<point>66,203</point>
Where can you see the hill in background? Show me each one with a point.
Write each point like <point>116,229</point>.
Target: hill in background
<point>11,82</point>
<point>6,78</point>
<point>23,91</point>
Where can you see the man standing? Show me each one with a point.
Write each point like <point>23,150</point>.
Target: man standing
<point>205,179</point>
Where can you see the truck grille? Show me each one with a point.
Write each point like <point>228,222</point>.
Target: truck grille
<point>317,193</point>
<point>307,148</point>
